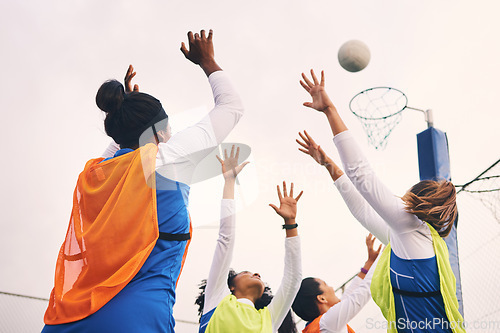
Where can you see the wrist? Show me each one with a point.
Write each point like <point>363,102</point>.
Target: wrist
<point>328,162</point>
<point>330,110</point>
<point>289,221</point>
<point>290,228</point>
<point>287,226</point>
<point>209,66</point>
<point>230,181</point>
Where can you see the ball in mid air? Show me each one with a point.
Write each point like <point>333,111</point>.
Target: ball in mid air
<point>354,55</point>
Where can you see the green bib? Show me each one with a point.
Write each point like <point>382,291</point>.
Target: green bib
<point>232,316</point>
<point>382,294</point>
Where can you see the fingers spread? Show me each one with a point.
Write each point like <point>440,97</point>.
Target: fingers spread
<point>315,79</point>
<point>291,190</point>
<point>202,33</point>
<point>275,208</point>
<point>184,50</point>
<point>306,87</point>
<point>322,78</point>
<point>298,197</point>
<point>232,152</point>
<point>279,193</point>
<point>129,71</point>
<point>302,144</point>
<point>284,189</point>
<point>238,153</point>
<point>242,166</point>
<point>210,34</point>
<point>304,151</point>
<point>220,159</point>
<point>304,138</point>
<point>310,139</point>
<point>309,83</point>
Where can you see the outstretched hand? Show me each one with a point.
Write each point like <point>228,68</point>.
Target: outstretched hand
<point>128,80</point>
<point>311,148</point>
<point>320,100</point>
<point>372,253</point>
<point>230,167</point>
<point>201,51</point>
<point>288,204</point>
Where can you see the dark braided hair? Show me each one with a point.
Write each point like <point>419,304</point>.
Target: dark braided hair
<point>288,324</point>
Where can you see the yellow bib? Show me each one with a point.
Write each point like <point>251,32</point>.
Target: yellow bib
<point>382,294</point>
<point>233,316</point>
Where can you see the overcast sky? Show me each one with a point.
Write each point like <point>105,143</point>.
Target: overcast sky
<point>55,54</point>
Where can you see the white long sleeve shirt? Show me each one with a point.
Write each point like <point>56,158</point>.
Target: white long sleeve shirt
<point>409,236</point>
<point>217,288</point>
<point>177,158</point>
<point>361,210</point>
<point>355,297</point>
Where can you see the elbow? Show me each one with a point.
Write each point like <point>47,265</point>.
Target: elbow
<point>230,101</point>
<point>237,107</point>
<point>358,174</point>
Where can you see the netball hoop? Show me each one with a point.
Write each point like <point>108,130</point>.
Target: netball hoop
<point>380,109</point>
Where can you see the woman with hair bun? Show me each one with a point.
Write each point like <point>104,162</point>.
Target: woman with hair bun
<point>130,228</point>
<point>413,283</point>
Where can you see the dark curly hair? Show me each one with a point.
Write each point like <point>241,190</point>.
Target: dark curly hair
<point>288,324</point>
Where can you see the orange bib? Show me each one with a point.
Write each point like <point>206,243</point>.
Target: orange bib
<point>112,230</point>
<point>313,327</point>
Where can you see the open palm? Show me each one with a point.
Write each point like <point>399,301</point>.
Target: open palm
<point>230,167</point>
<point>288,204</point>
<point>320,100</point>
<point>311,148</point>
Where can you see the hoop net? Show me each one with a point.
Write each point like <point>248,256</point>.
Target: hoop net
<point>486,188</point>
<point>379,110</point>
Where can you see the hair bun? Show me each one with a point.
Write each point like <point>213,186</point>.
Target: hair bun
<point>110,96</point>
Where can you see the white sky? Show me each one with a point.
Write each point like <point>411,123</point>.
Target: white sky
<point>55,54</point>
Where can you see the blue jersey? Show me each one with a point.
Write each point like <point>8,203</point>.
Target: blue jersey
<point>417,297</point>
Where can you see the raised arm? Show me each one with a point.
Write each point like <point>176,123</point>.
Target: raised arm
<point>372,256</point>
<point>217,288</point>
<point>358,206</point>
<point>196,142</point>
<point>384,202</point>
<point>339,315</point>
<point>113,147</point>
<point>292,275</point>
<point>357,168</point>
<point>321,102</point>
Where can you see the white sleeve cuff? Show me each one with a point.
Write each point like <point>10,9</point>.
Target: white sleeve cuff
<point>345,135</point>
<point>215,74</point>
<point>341,180</point>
